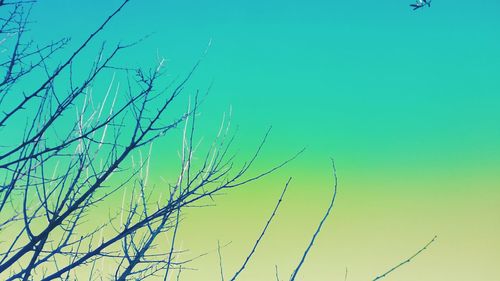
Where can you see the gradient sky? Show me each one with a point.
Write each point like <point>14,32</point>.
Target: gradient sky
<point>407,102</point>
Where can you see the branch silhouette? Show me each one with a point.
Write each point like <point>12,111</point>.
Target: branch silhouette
<point>385,274</point>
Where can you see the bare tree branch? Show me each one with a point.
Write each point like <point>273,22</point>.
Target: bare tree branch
<point>318,229</point>
<point>385,274</point>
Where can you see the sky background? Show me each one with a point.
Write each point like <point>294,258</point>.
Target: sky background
<point>406,102</point>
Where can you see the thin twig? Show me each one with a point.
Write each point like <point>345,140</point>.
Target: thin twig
<point>220,261</point>
<point>406,261</point>
<point>318,229</point>
<point>262,233</point>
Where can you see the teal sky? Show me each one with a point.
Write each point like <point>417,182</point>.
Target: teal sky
<point>361,77</point>
<point>408,103</point>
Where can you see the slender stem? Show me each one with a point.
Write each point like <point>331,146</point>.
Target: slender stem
<point>383,275</point>
<point>318,229</point>
<point>262,233</point>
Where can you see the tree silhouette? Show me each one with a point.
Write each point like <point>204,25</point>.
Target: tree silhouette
<point>57,169</point>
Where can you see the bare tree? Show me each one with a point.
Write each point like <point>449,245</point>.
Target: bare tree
<point>58,166</point>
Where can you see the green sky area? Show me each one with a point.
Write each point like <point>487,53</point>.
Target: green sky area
<point>406,102</point>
